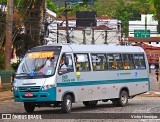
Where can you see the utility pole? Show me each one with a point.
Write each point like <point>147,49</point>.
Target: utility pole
<point>57,32</point>
<point>105,42</point>
<point>93,42</point>
<point>145,22</point>
<point>8,43</point>
<point>66,17</point>
<point>84,36</point>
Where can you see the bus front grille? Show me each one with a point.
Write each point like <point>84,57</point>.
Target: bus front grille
<point>29,89</point>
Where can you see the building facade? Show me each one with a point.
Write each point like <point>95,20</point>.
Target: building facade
<point>150,42</point>
<point>147,22</point>
<point>60,3</point>
<point>107,31</point>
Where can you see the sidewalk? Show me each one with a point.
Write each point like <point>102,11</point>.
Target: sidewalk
<point>150,94</point>
<point>6,95</point>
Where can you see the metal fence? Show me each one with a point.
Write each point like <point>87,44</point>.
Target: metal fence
<point>6,76</point>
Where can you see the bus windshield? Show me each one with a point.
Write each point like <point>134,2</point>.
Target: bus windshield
<point>38,64</point>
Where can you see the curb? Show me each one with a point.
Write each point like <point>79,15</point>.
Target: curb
<point>6,98</point>
<point>151,94</point>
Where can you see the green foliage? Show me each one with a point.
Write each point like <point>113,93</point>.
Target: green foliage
<point>156,4</point>
<point>52,6</point>
<point>125,10</point>
<point>105,7</point>
<point>3,1</point>
<point>80,7</point>
<point>14,66</point>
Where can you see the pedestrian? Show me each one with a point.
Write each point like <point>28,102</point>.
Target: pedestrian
<point>157,73</point>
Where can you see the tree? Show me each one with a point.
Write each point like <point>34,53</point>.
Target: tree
<point>52,6</point>
<point>28,25</point>
<point>30,29</point>
<point>156,4</point>
<point>106,7</point>
<point>124,10</point>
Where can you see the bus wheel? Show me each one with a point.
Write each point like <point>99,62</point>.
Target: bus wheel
<point>29,107</point>
<point>123,99</point>
<point>67,104</point>
<point>90,103</point>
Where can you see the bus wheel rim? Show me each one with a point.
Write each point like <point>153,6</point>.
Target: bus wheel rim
<point>69,104</point>
<point>123,99</point>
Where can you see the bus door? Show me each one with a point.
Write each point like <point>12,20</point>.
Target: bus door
<point>66,75</point>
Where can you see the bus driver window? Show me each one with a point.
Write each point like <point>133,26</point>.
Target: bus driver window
<point>62,65</point>
<point>66,64</point>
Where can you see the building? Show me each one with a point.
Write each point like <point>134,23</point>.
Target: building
<point>152,53</point>
<point>107,31</point>
<point>149,40</point>
<point>60,3</point>
<point>150,37</point>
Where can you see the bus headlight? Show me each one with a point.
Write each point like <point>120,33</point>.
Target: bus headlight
<point>14,88</point>
<point>45,87</point>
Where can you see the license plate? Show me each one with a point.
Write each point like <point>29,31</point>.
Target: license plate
<point>28,95</point>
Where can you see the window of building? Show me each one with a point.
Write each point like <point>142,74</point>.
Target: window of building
<point>156,55</point>
<point>99,62</point>
<point>82,62</point>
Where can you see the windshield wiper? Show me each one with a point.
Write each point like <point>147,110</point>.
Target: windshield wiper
<point>21,74</point>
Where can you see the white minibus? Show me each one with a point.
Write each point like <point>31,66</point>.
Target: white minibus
<point>61,74</point>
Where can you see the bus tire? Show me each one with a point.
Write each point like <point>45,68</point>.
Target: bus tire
<point>67,104</point>
<point>123,99</point>
<point>29,107</point>
<point>90,103</point>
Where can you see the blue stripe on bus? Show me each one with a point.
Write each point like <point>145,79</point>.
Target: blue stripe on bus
<point>84,83</point>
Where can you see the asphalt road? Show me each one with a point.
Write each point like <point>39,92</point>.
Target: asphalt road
<point>138,105</point>
<point>149,106</point>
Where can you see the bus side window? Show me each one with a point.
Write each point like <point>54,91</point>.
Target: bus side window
<point>111,61</point>
<point>142,61</point>
<point>139,61</point>
<point>131,61</point>
<point>70,63</point>
<point>99,62</point>
<point>82,62</point>
<point>118,59</point>
<point>126,61</point>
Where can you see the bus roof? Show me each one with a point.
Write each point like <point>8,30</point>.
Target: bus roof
<point>100,48</point>
<point>97,48</point>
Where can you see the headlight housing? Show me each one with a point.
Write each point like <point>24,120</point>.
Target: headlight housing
<point>46,87</point>
<point>14,88</point>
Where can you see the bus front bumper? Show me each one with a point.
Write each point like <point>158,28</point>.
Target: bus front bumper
<point>41,96</point>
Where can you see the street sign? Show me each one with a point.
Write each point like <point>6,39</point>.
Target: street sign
<point>141,33</point>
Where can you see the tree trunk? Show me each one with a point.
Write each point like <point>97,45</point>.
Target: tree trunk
<point>33,24</point>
